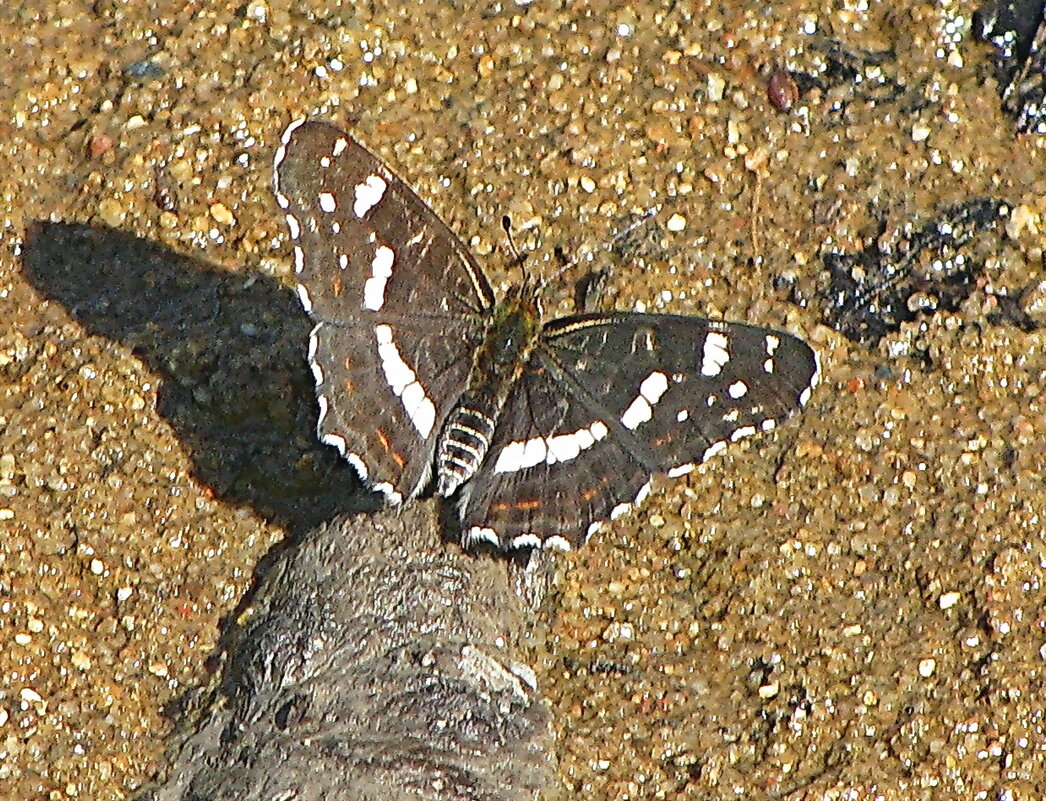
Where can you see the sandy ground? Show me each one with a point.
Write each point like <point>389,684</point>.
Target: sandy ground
<point>851,608</point>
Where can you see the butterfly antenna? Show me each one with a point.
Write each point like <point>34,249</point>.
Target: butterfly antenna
<point>517,257</point>
<point>617,237</point>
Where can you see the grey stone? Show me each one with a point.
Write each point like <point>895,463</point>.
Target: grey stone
<point>374,662</point>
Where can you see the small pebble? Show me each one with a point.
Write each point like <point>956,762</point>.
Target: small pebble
<point>111,212</point>
<point>30,696</point>
<point>782,90</point>
<point>221,214</point>
<point>99,145</point>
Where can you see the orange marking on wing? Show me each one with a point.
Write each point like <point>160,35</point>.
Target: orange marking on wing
<point>337,286</point>
<point>384,440</point>
<point>502,507</point>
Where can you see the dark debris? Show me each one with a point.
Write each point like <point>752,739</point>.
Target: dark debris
<point>907,272</point>
<point>1017,30</point>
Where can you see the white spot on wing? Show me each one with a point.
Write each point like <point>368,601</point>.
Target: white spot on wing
<point>299,259</point>
<point>737,390</point>
<point>742,432</point>
<point>293,226</point>
<point>424,417</point>
<point>281,154</point>
<point>642,494</point>
<point>419,408</point>
<point>303,296</point>
<point>357,463</point>
<point>339,146</point>
<point>522,454</point>
<point>327,202</point>
<point>557,543</point>
<point>714,354</point>
<point>368,194</point>
<point>650,392</point>
<point>317,372</point>
<point>682,470</point>
<point>713,450</point>
<point>639,412</point>
<point>338,441</point>
<point>404,383</point>
<point>772,343</point>
<point>565,447</point>
<point>314,341</point>
<point>285,137</point>
<point>654,386</point>
<point>386,489</point>
<point>381,272</point>
<point>481,534</point>
<point>413,397</point>
<point>525,541</point>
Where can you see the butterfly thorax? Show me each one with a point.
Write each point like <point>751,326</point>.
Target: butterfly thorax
<point>509,339</point>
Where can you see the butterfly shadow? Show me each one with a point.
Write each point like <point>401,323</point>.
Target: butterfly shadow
<point>229,350</point>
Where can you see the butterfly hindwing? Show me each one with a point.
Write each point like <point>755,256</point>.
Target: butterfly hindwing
<point>637,394</point>
<point>553,470</point>
<point>399,304</point>
<point>361,415</point>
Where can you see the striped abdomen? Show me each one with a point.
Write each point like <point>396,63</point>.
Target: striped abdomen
<point>462,447</point>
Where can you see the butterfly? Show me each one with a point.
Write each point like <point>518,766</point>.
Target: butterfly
<point>537,431</point>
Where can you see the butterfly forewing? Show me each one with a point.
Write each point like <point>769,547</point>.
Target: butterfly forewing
<point>398,301</point>
<point>681,388</point>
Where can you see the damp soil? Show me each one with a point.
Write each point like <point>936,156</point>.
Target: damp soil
<point>851,607</point>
